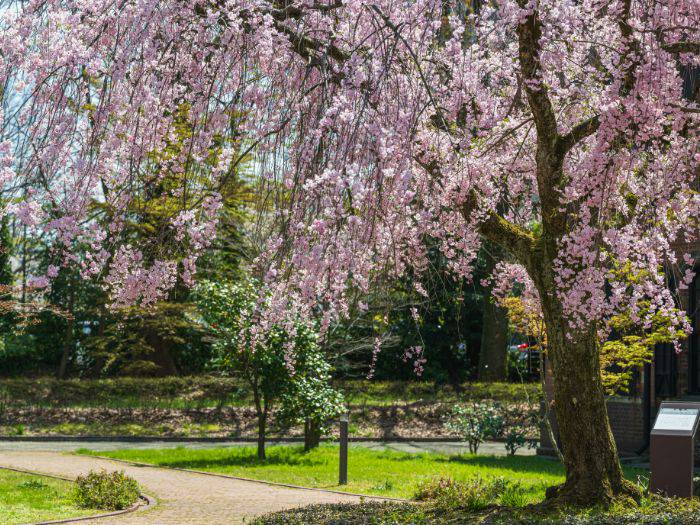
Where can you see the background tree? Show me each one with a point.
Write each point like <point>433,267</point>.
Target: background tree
<point>283,366</point>
<point>309,398</point>
<point>493,356</point>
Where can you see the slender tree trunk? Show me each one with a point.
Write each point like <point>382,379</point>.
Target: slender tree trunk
<point>312,434</point>
<point>261,412</point>
<point>493,354</point>
<point>67,350</point>
<point>593,471</point>
<point>262,429</point>
<point>70,334</point>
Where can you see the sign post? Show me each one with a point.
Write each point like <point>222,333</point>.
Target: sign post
<point>673,449</point>
<point>343,470</point>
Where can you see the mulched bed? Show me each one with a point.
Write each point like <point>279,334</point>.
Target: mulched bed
<point>411,420</point>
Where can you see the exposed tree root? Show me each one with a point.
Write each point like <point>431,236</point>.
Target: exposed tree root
<point>587,492</point>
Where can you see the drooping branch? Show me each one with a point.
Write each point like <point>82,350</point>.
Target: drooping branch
<point>511,237</point>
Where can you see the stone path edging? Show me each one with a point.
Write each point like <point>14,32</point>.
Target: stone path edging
<point>251,480</point>
<point>144,503</point>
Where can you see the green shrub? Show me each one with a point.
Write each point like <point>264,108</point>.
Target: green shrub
<point>472,495</point>
<point>514,496</point>
<point>431,489</point>
<point>476,422</point>
<point>515,439</point>
<point>17,430</point>
<point>106,491</point>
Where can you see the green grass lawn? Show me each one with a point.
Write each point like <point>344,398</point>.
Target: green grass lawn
<point>25,498</point>
<point>381,473</point>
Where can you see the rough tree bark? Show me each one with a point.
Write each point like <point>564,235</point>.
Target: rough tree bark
<point>593,471</point>
<point>493,353</point>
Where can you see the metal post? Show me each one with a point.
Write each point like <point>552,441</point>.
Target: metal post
<point>343,471</point>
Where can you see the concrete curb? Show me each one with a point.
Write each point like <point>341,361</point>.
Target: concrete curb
<point>238,478</point>
<point>144,503</point>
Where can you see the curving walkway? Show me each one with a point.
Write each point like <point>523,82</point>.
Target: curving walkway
<point>184,498</point>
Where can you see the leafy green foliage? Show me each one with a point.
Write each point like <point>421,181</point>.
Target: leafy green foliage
<point>473,494</point>
<point>163,340</point>
<point>372,513</point>
<point>310,395</point>
<point>106,490</point>
<point>448,327</point>
<point>515,440</point>
<point>6,277</point>
<point>475,423</point>
<point>633,347</point>
<point>278,366</point>
<point>226,310</point>
<point>433,488</point>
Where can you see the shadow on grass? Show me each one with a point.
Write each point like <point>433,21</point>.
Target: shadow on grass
<point>287,456</point>
<point>531,464</point>
<point>524,464</point>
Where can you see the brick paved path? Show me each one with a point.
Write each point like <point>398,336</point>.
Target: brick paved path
<point>184,498</point>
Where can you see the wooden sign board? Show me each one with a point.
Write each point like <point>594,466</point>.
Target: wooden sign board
<point>673,449</point>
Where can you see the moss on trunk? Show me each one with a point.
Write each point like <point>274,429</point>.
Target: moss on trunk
<point>593,471</point>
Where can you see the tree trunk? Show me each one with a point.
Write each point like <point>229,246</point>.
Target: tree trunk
<point>593,472</point>
<point>312,434</point>
<point>494,343</point>
<point>70,334</point>
<point>65,356</point>
<point>493,353</point>
<point>261,410</point>
<point>161,355</point>
<point>262,428</point>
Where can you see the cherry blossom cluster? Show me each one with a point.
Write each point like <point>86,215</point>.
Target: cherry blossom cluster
<point>414,355</point>
<point>385,124</point>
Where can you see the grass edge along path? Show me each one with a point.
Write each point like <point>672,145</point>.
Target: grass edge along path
<point>377,473</point>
